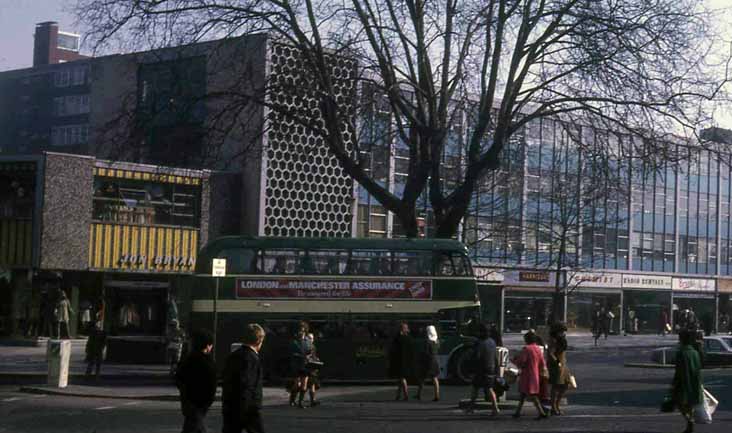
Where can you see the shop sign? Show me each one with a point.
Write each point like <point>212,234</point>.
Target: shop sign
<point>529,278</point>
<point>333,289</point>
<point>724,285</point>
<point>699,295</point>
<point>542,277</point>
<point>488,274</point>
<point>694,284</point>
<point>646,282</point>
<point>139,260</point>
<point>593,279</point>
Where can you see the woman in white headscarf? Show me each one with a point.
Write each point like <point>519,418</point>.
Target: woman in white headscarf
<point>428,367</point>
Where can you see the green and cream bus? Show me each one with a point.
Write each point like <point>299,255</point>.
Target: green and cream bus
<point>353,293</point>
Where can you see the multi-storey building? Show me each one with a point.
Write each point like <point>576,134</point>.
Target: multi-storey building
<point>660,242</point>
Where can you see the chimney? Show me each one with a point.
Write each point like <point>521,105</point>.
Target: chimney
<point>45,38</point>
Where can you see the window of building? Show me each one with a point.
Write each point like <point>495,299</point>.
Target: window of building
<point>68,41</point>
<point>70,105</point>
<point>69,135</point>
<point>134,201</point>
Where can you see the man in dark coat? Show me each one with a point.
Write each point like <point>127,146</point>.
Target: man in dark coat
<point>242,385</point>
<point>196,381</point>
<point>95,345</point>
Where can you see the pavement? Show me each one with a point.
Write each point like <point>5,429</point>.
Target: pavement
<point>25,365</point>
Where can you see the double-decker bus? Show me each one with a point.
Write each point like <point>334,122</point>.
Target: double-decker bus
<point>352,292</point>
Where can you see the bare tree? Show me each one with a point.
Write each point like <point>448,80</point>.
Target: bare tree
<point>639,67</point>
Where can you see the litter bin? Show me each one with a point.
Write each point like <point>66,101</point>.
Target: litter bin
<point>58,353</point>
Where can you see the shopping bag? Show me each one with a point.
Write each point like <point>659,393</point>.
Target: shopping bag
<point>703,411</point>
<point>572,384</point>
<point>668,327</point>
<point>711,402</point>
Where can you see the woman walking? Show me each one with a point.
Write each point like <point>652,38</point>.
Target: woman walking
<point>531,362</point>
<point>313,372</point>
<point>300,349</point>
<point>401,361</point>
<point>559,373</point>
<point>687,388</point>
<point>428,365</point>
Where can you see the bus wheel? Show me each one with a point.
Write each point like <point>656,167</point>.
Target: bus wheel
<point>462,367</point>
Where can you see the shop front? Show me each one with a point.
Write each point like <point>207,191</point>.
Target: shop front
<point>591,293</point>
<point>527,300</point>
<point>144,234</point>
<point>724,305</point>
<point>18,204</point>
<point>647,300</point>
<point>699,296</point>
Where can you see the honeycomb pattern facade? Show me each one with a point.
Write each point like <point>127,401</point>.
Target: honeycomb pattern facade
<point>307,194</point>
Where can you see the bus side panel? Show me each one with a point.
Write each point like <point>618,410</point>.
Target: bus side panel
<point>356,356</point>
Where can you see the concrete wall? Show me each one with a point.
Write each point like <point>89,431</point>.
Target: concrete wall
<point>66,212</point>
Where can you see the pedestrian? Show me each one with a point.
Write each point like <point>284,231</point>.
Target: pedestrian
<point>313,367</point>
<point>687,390</point>
<point>559,373</point>
<point>724,323</point>
<point>63,313</point>
<point>196,381</point>
<point>300,350</point>
<point>532,365</point>
<point>95,345</point>
<point>596,323</point>
<point>663,325</point>
<point>86,321</point>
<point>427,365</point>
<point>34,315</point>
<point>242,385</point>
<point>401,361</point>
<point>495,334</point>
<point>486,367</point>
<point>606,317</point>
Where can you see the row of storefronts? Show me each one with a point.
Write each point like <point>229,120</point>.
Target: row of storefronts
<point>116,238</point>
<point>637,303</point>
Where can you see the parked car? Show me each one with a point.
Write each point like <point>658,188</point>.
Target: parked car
<point>717,351</point>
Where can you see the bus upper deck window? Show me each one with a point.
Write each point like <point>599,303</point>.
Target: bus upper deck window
<point>443,265</point>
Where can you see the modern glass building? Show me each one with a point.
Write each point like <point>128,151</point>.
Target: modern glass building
<point>641,239</point>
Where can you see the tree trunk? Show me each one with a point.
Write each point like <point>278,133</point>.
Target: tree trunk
<point>407,216</point>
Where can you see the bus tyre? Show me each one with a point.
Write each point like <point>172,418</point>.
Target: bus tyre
<point>463,368</point>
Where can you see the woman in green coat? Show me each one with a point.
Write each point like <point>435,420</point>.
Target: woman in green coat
<point>687,385</point>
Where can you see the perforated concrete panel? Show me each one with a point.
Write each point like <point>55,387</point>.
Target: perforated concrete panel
<point>306,192</point>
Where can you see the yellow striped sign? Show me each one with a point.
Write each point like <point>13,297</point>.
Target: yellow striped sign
<point>140,248</point>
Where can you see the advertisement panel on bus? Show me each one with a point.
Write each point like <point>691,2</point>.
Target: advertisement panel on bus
<point>414,289</point>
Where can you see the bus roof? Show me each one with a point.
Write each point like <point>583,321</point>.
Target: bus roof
<point>214,247</point>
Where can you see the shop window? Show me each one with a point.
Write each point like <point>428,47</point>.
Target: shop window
<point>142,202</point>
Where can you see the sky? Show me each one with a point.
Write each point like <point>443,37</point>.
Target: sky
<point>19,17</point>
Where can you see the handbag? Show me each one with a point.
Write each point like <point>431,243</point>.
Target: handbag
<point>572,383</point>
<point>668,327</point>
